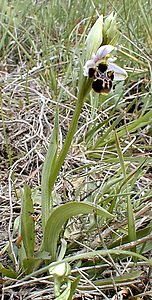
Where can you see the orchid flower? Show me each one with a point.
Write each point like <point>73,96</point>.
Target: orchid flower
<point>103,71</point>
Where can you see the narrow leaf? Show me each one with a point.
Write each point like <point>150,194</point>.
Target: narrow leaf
<point>27,222</point>
<point>9,272</point>
<point>30,264</point>
<point>117,279</point>
<point>131,127</point>
<point>109,130</point>
<point>120,154</point>
<point>74,285</point>
<point>66,293</point>
<point>130,214</point>
<point>90,255</point>
<point>131,223</point>
<point>47,170</point>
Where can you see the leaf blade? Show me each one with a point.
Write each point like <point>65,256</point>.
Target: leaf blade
<point>49,163</point>
<point>60,215</point>
<point>27,222</point>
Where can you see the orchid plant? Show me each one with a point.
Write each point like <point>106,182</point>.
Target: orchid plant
<point>99,73</point>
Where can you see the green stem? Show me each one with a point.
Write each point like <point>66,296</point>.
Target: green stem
<point>49,176</point>
<point>57,285</point>
<point>84,89</point>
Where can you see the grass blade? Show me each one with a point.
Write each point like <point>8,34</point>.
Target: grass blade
<point>130,214</point>
<point>131,127</point>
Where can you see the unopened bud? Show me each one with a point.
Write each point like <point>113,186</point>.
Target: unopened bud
<point>63,269</point>
<point>110,33</point>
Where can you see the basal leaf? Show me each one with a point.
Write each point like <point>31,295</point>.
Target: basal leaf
<point>49,163</point>
<point>30,264</point>
<point>117,279</point>
<point>27,222</point>
<point>60,215</point>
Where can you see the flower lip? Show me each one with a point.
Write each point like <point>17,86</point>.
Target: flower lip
<point>102,67</point>
<point>91,72</point>
<point>90,64</point>
<point>102,86</point>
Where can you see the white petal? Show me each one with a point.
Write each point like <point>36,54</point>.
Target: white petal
<point>119,73</point>
<point>102,52</point>
<point>89,64</point>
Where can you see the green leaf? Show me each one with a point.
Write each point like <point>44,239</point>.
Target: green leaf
<point>27,222</point>
<point>74,285</point>
<point>30,264</point>
<point>117,279</point>
<point>21,255</point>
<point>123,240</point>
<point>43,255</point>
<point>9,272</point>
<point>53,81</point>
<point>146,23</point>
<point>90,255</point>
<point>131,127</point>
<point>130,214</point>
<point>95,129</point>
<point>121,159</point>
<point>65,295</point>
<point>131,223</point>
<point>60,215</point>
<point>63,249</point>
<point>104,253</point>
<point>49,163</point>
<point>109,130</point>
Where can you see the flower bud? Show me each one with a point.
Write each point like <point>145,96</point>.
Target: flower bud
<point>110,33</point>
<point>94,38</point>
<point>63,269</point>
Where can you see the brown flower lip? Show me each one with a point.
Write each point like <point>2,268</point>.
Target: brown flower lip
<point>102,79</point>
<point>102,86</point>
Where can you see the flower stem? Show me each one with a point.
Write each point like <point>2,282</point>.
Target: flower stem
<point>84,90</point>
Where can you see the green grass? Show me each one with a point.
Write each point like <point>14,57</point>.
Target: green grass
<point>108,165</point>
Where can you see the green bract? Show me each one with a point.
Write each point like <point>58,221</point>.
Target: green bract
<point>94,38</point>
<point>110,33</point>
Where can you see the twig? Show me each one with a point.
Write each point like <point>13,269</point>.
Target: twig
<point>135,243</point>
